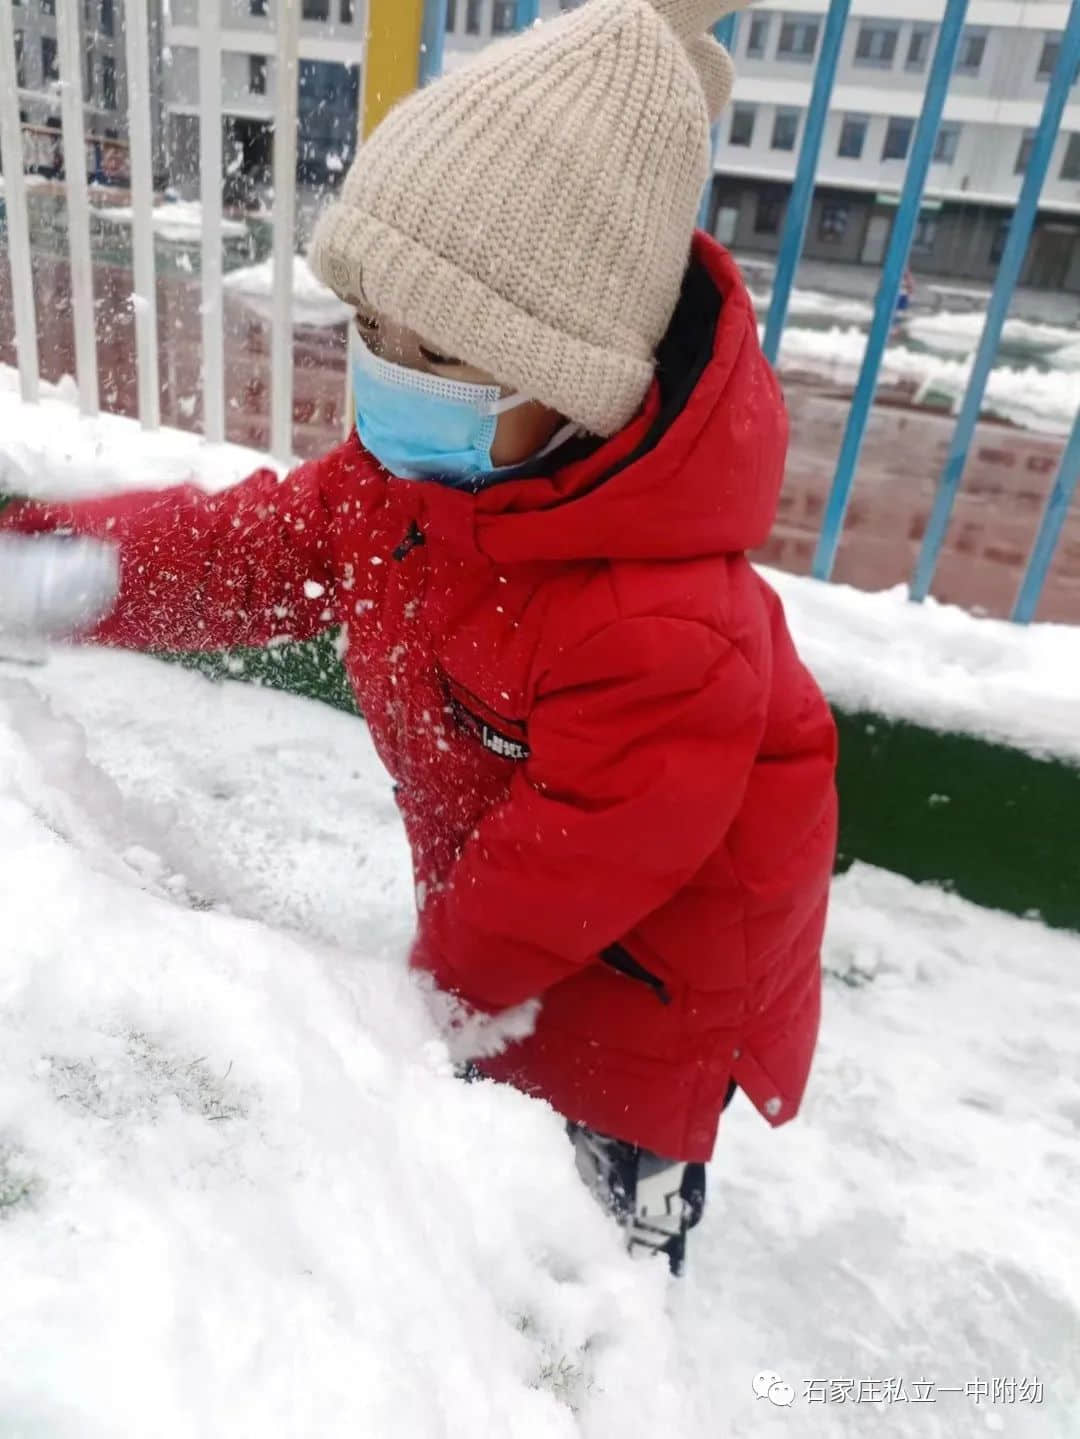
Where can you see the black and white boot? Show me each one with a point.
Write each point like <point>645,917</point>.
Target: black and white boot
<point>656,1200</point>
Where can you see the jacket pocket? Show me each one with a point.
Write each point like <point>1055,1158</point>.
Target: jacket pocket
<point>620,958</point>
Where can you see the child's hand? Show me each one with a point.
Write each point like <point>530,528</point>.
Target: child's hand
<point>55,586</point>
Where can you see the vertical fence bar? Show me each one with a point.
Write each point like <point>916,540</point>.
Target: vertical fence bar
<point>140,139</point>
<point>211,265</point>
<point>1042,552</point>
<point>78,204</point>
<point>285,125</point>
<point>432,41</point>
<point>18,215</point>
<point>727,32</point>
<point>903,231</point>
<point>801,198</point>
<point>1012,261</point>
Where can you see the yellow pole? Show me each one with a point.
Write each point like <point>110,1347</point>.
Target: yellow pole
<point>391,71</point>
<point>392,56</point>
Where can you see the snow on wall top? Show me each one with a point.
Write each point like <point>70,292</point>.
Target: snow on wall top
<point>932,664</point>
<point>938,666</point>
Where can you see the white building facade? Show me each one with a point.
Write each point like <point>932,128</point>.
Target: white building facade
<point>995,99</point>
<point>470,24</point>
<point>331,55</point>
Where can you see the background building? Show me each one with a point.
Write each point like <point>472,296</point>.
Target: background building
<point>331,50</point>
<point>104,81</point>
<point>470,24</point>
<point>995,99</point>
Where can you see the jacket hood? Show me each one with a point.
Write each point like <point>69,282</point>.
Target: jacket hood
<point>697,472</point>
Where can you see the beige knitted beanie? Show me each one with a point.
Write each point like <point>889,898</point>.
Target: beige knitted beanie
<point>532,213</point>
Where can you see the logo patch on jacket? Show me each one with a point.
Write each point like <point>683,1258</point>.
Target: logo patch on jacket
<point>502,736</point>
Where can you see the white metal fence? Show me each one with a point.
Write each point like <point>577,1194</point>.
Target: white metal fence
<point>143,295</point>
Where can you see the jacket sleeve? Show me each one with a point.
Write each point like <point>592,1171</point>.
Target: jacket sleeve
<point>203,572</point>
<point>641,746</point>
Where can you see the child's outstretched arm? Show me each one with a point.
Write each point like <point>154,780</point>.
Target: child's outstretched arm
<point>201,571</point>
<point>642,743</point>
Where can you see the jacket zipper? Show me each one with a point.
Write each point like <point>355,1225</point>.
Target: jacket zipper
<point>409,543</point>
<point>621,959</point>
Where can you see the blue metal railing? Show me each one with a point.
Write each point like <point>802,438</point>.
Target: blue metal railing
<point>1012,261</point>
<point>433,40</point>
<point>896,256</point>
<point>802,191</point>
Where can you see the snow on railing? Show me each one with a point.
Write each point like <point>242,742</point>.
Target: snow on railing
<point>432,27</point>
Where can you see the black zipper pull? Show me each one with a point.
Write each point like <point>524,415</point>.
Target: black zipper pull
<point>412,539</point>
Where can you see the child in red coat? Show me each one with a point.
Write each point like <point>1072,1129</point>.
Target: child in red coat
<point>615,774</point>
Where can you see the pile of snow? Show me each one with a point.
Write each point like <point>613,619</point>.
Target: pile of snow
<point>50,450</point>
<point>1028,397</point>
<point>958,333</point>
<point>29,180</point>
<point>178,221</point>
<point>312,302</point>
<point>937,665</point>
<point>241,1192</point>
<point>818,304</point>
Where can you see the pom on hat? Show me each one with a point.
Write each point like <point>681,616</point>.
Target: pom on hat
<point>692,20</point>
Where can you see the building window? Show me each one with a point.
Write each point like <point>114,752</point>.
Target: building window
<point>1023,155</point>
<point>20,63</point>
<point>88,92</point>
<point>972,49</point>
<point>1048,59</point>
<point>108,82</point>
<point>918,50</point>
<point>925,233</point>
<point>1070,166</point>
<point>785,130</point>
<point>945,144</point>
<point>48,7</point>
<point>258,69</point>
<point>758,42</point>
<point>106,18</point>
<point>852,137</point>
<point>798,40</point>
<point>451,15</point>
<point>316,10</point>
<point>832,227</point>
<point>742,125</point>
<point>472,17</point>
<point>348,12</point>
<point>876,45</point>
<point>770,212</point>
<point>997,244</point>
<point>259,7</point>
<point>504,17</point>
<point>897,138</point>
<point>50,70</point>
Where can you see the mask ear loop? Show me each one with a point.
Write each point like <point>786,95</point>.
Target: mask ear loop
<point>508,403</point>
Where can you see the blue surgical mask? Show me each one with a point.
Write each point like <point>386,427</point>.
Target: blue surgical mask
<point>421,426</point>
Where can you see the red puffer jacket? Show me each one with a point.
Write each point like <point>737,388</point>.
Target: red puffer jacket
<point>615,774</point>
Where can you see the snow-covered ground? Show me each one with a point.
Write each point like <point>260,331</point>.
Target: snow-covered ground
<point>178,221</point>
<point>241,1193</point>
<point>1032,396</point>
<point>312,302</point>
<point>1035,382</point>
